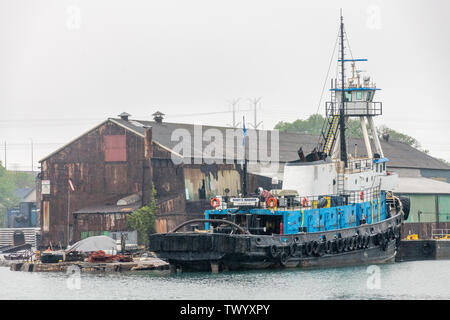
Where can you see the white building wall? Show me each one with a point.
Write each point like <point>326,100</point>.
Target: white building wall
<point>310,180</point>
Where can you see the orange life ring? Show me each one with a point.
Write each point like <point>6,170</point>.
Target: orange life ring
<point>361,195</point>
<point>271,202</point>
<point>215,202</point>
<point>305,202</point>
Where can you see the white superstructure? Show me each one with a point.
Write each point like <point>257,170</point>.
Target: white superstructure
<point>325,171</point>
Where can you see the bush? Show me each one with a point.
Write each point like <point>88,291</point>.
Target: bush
<point>143,220</point>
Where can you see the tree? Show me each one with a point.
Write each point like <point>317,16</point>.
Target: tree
<point>314,124</point>
<point>23,179</point>
<point>7,188</point>
<point>143,220</point>
<point>444,161</point>
<point>398,136</point>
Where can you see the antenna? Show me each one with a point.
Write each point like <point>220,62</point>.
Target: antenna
<point>244,180</point>
<point>341,110</point>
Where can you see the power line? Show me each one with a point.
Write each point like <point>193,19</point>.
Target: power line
<point>348,43</point>
<point>35,143</point>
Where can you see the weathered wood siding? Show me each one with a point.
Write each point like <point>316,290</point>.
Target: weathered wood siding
<point>95,180</point>
<point>98,222</point>
<point>169,184</point>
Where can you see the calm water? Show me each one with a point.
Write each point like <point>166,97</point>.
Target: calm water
<point>407,280</point>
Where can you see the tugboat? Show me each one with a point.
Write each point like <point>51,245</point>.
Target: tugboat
<point>334,209</point>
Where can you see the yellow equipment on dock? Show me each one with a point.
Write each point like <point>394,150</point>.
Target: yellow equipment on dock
<point>412,237</point>
<point>445,237</point>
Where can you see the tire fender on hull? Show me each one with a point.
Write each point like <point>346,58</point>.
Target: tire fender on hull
<point>366,241</point>
<point>406,204</point>
<point>273,251</point>
<point>340,245</point>
<point>328,247</point>
<point>309,248</point>
<point>283,258</point>
<point>318,248</point>
<point>293,249</point>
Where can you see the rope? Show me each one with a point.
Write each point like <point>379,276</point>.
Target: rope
<point>348,43</point>
<point>328,72</point>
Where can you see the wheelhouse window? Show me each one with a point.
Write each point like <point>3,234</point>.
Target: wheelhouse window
<point>348,96</point>
<point>358,95</point>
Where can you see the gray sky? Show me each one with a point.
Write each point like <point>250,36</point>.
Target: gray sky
<point>67,65</point>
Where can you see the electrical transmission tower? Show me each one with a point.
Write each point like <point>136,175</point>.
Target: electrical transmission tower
<point>235,106</point>
<point>254,104</point>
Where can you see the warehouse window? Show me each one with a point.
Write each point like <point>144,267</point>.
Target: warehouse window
<point>115,148</point>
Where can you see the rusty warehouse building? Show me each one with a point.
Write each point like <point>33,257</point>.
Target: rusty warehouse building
<point>113,165</point>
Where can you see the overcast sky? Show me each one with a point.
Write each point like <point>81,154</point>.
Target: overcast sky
<point>65,66</point>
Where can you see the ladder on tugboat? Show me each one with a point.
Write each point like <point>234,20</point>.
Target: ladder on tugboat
<point>331,135</point>
<point>330,126</point>
<point>340,183</point>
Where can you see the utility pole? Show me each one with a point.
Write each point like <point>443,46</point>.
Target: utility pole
<point>255,105</point>
<point>234,104</point>
<point>69,188</point>
<point>5,155</point>
<point>68,216</point>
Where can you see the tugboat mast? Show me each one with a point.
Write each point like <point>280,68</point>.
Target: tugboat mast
<point>244,180</point>
<point>341,110</point>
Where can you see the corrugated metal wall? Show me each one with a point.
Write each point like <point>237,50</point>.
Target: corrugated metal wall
<point>423,208</point>
<point>444,208</point>
<point>427,208</point>
<point>428,212</point>
<point>7,234</point>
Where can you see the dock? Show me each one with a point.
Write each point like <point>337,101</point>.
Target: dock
<point>415,250</point>
<point>141,264</point>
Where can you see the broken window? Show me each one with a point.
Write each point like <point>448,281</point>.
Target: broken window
<point>115,148</point>
<point>202,191</point>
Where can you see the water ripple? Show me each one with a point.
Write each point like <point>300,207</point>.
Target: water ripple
<point>398,281</point>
